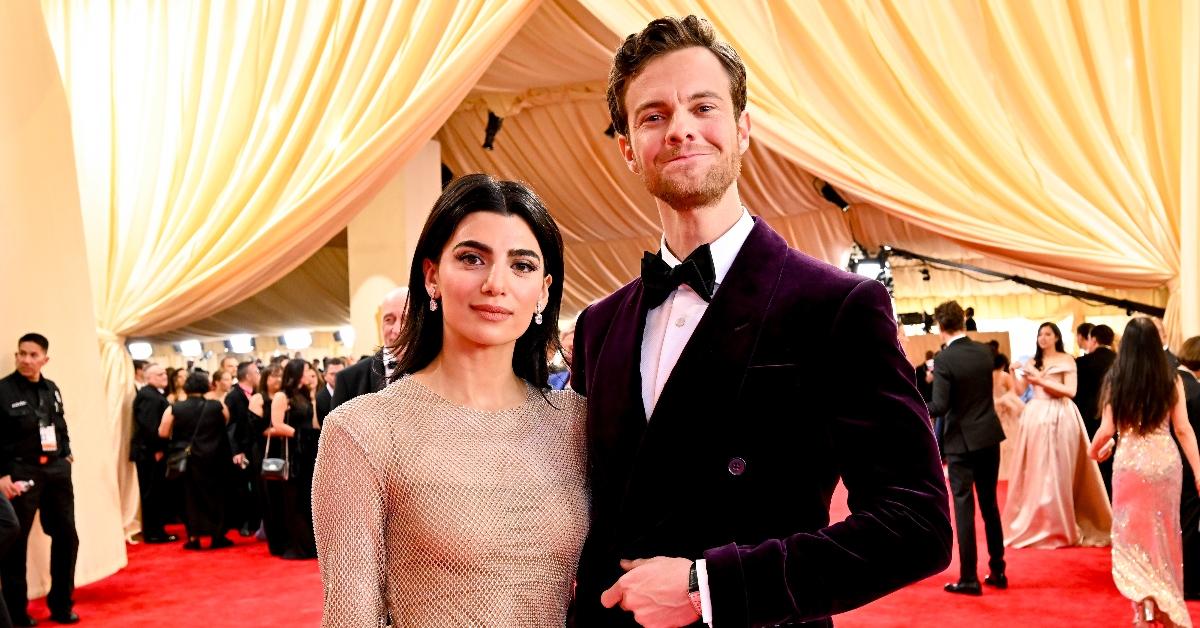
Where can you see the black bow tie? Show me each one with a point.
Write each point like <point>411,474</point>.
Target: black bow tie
<point>659,280</point>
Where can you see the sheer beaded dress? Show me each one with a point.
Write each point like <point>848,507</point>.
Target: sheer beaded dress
<point>440,515</point>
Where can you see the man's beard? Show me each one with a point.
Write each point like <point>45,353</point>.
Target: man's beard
<point>683,195</point>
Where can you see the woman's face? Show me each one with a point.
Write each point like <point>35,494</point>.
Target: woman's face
<point>1046,339</point>
<point>309,379</point>
<point>274,380</point>
<point>225,382</point>
<point>490,279</point>
<point>180,378</point>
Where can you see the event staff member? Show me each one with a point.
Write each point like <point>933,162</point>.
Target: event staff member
<point>35,474</point>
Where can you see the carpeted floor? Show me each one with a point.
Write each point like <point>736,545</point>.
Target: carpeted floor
<point>243,586</point>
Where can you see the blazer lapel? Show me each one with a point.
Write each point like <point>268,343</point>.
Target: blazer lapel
<point>714,360</point>
<point>620,362</point>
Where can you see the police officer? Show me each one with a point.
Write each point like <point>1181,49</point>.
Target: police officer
<point>35,474</point>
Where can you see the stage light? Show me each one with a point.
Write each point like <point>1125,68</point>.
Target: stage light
<point>833,196</point>
<point>191,348</point>
<point>868,268</point>
<point>345,335</point>
<point>240,343</point>
<point>297,339</point>
<point>140,350</point>
<point>493,127</point>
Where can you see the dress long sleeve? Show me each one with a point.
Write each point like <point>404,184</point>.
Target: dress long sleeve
<point>348,518</point>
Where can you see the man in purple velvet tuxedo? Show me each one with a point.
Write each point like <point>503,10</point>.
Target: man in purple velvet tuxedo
<point>730,391</point>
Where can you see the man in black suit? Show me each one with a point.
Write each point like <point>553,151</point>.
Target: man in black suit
<point>146,450</point>
<point>1189,503</point>
<point>1093,366</point>
<point>962,394</point>
<point>710,484</point>
<point>241,442</point>
<point>333,366</point>
<point>368,376</point>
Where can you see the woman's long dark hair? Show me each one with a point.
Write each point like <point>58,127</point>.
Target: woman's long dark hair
<point>292,385</point>
<point>1058,344</point>
<point>1140,386</point>
<point>420,338</point>
<point>268,371</point>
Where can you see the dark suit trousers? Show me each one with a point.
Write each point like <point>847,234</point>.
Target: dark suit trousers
<point>975,473</point>
<point>10,531</point>
<point>54,495</point>
<point>152,487</point>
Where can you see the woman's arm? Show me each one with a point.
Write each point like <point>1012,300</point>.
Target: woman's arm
<point>279,408</point>
<point>164,426</point>
<point>348,520</point>
<point>1103,435</point>
<point>1066,388</point>
<point>1184,431</point>
<point>224,410</point>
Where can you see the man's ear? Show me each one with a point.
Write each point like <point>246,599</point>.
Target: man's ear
<point>743,128</point>
<point>627,154</point>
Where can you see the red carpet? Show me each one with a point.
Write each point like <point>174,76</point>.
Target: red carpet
<point>244,586</point>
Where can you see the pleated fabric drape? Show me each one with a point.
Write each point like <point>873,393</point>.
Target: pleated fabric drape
<point>1061,136</point>
<point>219,144</point>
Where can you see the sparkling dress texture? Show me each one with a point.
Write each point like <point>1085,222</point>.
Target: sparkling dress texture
<point>1056,496</point>
<point>440,515</point>
<point>1147,543</point>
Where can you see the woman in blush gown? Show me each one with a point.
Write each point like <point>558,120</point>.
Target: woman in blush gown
<point>1008,407</point>
<point>1056,496</point>
<point>1143,397</point>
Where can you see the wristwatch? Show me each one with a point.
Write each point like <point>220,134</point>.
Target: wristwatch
<point>694,591</point>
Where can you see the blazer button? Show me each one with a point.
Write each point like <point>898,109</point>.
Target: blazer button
<point>737,466</point>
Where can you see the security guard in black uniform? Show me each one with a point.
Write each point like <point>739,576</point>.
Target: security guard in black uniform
<point>35,474</point>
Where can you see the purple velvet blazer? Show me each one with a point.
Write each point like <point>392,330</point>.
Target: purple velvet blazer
<point>792,380</point>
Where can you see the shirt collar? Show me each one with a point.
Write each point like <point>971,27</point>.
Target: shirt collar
<point>246,389</point>
<point>955,337</point>
<point>724,249</point>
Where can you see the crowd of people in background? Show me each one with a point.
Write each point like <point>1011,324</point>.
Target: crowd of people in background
<point>231,420</point>
<point>1093,449</point>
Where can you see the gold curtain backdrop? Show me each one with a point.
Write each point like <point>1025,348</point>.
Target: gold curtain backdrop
<point>1060,136</point>
<point>219,144</point>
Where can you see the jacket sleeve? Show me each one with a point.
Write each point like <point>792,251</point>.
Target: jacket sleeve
<point>341,388</point>
<point>941,390</point>
<point>579,355</point>
<point>65,445</point>
<point>898,531</point>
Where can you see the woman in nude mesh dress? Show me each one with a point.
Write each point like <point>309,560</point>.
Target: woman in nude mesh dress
<point>457,495</point>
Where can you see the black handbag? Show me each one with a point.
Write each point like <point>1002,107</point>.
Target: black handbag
<point>177,460</point>
<point>276,468</point>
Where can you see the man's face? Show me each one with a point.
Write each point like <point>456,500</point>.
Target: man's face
<point>229,365</point>
<point>253,375</point>
<point>568,345</point>
<point>684,141</point>
<point>30,360</point>
<point>331,372</point>
<point>392,312</point>
<point>156,376</point>
<point>1090,344</point>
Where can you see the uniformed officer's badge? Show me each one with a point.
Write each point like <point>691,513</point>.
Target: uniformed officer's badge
<point>20,403</point>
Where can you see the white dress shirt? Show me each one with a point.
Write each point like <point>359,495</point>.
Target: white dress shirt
<point>668,329</point>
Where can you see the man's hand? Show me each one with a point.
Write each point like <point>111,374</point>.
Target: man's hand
<point>158,455</point>
<point>8,488</point>
<point>655,590</point>
<point>240,460</point>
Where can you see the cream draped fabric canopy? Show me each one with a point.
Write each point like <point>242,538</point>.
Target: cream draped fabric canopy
<point>219,144</point>
<point>1060,136</point>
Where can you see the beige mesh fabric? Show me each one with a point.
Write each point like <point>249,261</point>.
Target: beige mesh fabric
<point>441,515</point>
